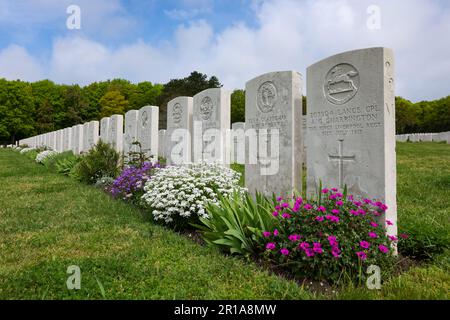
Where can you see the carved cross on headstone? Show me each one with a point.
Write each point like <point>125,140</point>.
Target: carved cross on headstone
<point>341,158</point>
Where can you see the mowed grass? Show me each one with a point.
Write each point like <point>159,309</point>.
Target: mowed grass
<point>49,222</point>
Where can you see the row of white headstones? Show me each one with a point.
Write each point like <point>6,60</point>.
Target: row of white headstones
<point>350,127</point>
<point>425,137</point>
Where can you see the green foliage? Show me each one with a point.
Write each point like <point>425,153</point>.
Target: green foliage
<point>100,161</point>
<point>113,102</point>
<point>137,158</point>
<point>235,224</point>
<point>238,106</point>
<point>53,163</point>
<point>64,165</point>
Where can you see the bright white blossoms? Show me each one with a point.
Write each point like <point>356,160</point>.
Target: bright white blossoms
<point>175,192</point>
<point>44,155</point>
<point>25,150</point>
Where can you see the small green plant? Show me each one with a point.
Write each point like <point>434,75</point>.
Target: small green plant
<point>235,224</point>
<point>137,158</point>
<point>104,183</point>
<point>100,161</point>
<point>52,162</point>
<point>65,165</point>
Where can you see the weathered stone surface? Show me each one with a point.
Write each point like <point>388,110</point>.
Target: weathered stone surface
<point>115,134</point>
<point>351,126</point>
<point>131,128</point>
<point>179,130</point>
<point>77,139</point>
<point>162,143</point>
<point>148,130</point>
<point>211,120</point>
<point>67,134</point>
<point>104,129</point>
<point>238,143</point>
<point>273,116</point>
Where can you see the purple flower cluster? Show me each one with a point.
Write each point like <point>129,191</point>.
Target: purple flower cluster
<point>131,181</point>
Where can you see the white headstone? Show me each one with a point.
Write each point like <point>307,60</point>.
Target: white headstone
<point>273,111</point>
<point>162,143</point>
<point>211,120</point>
<point>104,129</point>
<point>115,135</point>
<point>93,134</point>
<point>77,139</point>
<point>148,130</point>
<point>86,146</point>
<point>179,130</point>
<point>130,136</point>
<point>351,126</point>
<point>238,142</point>
<point>67,134</point>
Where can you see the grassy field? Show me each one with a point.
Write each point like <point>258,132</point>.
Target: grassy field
<point>49,222</point>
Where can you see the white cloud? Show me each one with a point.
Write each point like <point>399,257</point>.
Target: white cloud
<point>289,35</point>
<point>17,63</point>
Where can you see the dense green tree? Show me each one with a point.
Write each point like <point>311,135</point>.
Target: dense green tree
<point>16,110</point>
<point>113,102</point>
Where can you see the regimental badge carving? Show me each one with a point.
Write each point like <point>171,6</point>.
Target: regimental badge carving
<point>144,118</point>
<point>267,96</point>
<point>206,108</point>
<point>177,113</point>
<point>341,83</point>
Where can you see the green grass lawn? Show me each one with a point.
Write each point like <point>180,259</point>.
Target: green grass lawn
<point>49,222</point>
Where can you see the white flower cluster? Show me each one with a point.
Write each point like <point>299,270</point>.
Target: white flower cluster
<point>44,155</point>
<point>185,191</point>
<point>25,150</point>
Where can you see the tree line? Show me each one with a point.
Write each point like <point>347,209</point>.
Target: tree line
<point>28,109</point>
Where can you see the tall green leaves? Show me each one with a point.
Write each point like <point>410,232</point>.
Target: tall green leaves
<point>236,223</point>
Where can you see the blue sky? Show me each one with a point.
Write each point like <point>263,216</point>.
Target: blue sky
<point>236,40</point>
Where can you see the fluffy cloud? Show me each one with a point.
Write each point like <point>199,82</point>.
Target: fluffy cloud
<point>17,63</point>
<point>287,35</point>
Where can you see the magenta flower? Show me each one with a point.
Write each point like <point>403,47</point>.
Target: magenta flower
<point>270,246</point>
<point>364,244</point>
<point>275,213</point>
<point>373,235</point>
<point>317,247</point>
<point>320,218</point>
<point>307,207</point>
<point>374,224</point>
<point>321,208</point>
<point>389,223</point>
<point>350,197</point>
<point>309,252</point>
<point>383,248</point>
<point>393,238</point>
<point>296,207</point>
<point>325,190</point>
<point>384,207</point>
<point>299,200</point>
<point>279,199</point>
<point>361,255</point>
<point>304,245</point>
<point>266,234</point>
<point>285,205</point>
<point>368,201</point>
<point>339,203</point>
<point>284,251</point>
<point>294,237</point>
<point>334,189</point>
<point>361,212</point>
<point>333,197</point>
<point>275,232</point>
<point>335,211</point>
<point>335,252</point>
<point>339,195</point>
<point>286,215</point>
<point>332,240</point>
<point>278,208</point>
<point>404,236</point>
<point>354,212</point>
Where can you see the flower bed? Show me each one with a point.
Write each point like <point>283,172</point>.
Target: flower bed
<point>179,194</point>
